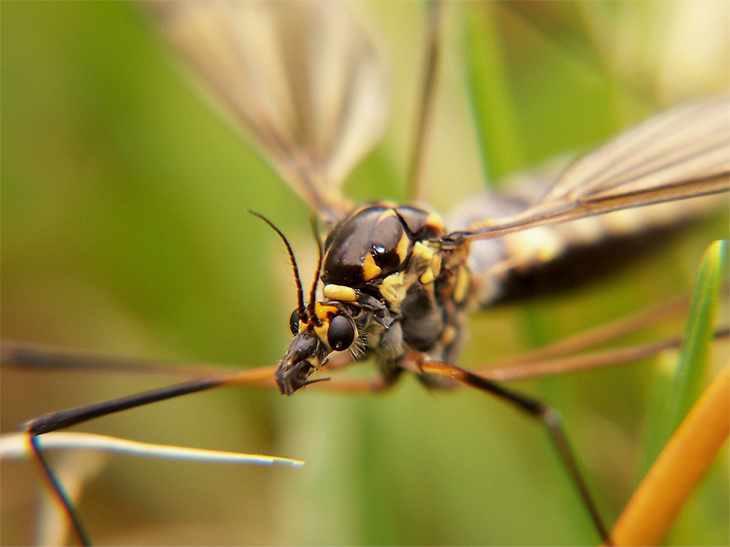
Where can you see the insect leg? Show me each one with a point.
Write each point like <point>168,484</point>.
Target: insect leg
<point>533,407</point>
<point>58,490</point>
<point>587,361</point>
<point>66,418</point>
<point>595,336</point>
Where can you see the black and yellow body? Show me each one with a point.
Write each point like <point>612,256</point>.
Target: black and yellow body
<point>391,285</point>
<point>395,282</point>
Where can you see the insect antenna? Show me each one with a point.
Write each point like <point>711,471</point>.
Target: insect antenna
<point>301,309</point>
<point>313,292</point>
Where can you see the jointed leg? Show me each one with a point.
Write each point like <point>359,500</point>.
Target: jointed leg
<point>420,363</point>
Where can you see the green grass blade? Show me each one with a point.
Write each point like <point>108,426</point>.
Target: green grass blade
<point>493,108</point>
<point>678,391</point>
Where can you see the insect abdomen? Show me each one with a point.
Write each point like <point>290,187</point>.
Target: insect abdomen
<point>548,259</point>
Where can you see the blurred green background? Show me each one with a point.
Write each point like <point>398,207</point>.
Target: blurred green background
<point>124,231</point>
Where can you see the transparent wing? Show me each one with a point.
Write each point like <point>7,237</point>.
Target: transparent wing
<point>301,79</point>
<point>681,153</point>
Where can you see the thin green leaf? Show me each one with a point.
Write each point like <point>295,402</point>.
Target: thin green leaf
<point>700,327</point>
<point>678,391</point>
<point>492,104</point>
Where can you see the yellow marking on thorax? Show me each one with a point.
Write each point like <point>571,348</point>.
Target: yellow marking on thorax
<point>433,271</point>
<point>370,270</point>
<point>393,289</point>
<point>402,248</point>
<point>342,293</point>
<point>423,252</point>
<point>425,262</point>
<point>435,222</point>
<point>385,214</point>
<point>461,286</point>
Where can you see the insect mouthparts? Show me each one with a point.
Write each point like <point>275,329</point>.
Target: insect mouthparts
<point>291,377</point>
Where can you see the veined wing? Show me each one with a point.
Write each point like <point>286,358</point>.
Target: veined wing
<point>301,79</point>
<point>681,153</point>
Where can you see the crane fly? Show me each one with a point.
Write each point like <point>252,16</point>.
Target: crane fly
<point>419,443</point>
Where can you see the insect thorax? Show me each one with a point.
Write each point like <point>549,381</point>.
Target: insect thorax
<point>406,291</point>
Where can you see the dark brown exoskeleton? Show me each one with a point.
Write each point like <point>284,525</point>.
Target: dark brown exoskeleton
<point>391,288</point>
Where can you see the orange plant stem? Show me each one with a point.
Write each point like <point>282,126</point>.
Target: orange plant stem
<point>675,473</point>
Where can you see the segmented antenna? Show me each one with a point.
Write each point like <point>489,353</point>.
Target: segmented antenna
<point>313,293</point>
<point>301,309</point>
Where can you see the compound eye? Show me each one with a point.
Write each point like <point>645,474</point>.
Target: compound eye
<point>294,322</point>
<point>341,332</point>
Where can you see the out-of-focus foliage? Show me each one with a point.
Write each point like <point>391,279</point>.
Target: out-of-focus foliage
<point>124,231</point>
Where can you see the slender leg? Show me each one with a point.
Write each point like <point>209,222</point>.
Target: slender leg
<point>67,418</point>
<point>533,407</point>
<point>59,491</point>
